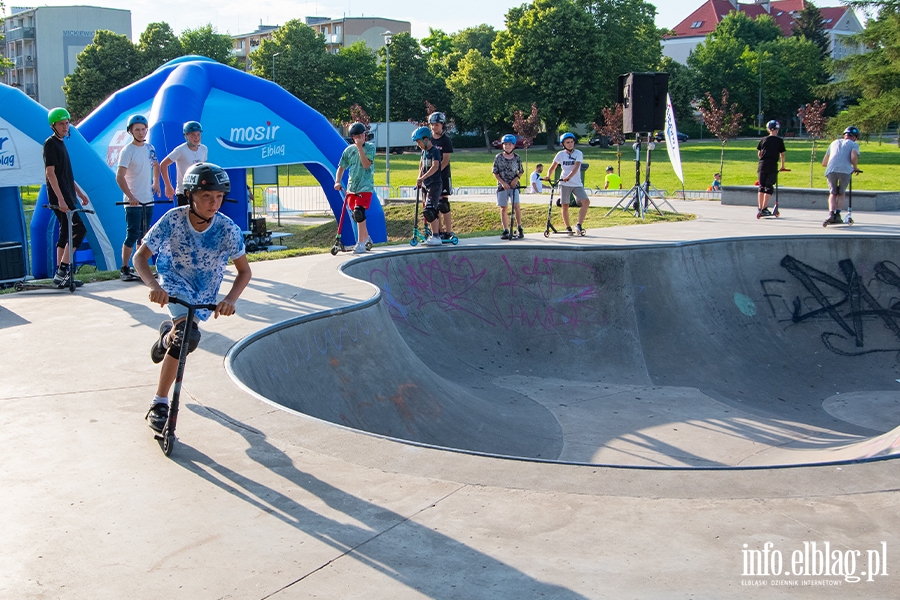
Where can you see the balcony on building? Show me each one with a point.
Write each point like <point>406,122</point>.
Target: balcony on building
<point>31,90</point>
<point>20,33</point>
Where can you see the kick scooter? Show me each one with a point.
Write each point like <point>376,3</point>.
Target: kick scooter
<point>71,283</point>
<point>550,228</point>
<point>775,212</point>
<point>425,233</point>
<point>513,234</point>
<point>166,437</point>
<point>338,244</point>
<point>849,219</point>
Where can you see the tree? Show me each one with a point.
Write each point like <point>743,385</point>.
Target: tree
<point>813,118</point>
<point>809,24</point>
<point>303,67</point>
<point>551,50</point>
<point>682,88</point>
<point>722,120</point>
<point>792,68</point>
<point>614,129</point>
<point>873,77</point>
<point>476,92</point>
<point>527,128</point>
<point>109,63</point>
<point>411,80</point>
<point>207,41</point>
<point>158,45</point>
<point>355,78</point>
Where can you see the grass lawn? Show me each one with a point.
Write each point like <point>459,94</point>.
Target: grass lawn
<point>700,159</point>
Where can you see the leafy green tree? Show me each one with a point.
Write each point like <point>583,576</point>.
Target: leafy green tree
<point>436,45</point>
<point>158,45</point>
<point>682,89</point>
<point>792,67</point>
<point>481,38</point>
<point>109,63</point>
<point>476,89</point>
<point>808,23</point>
<point>550,49</point>
<point>355,79</point>
<point>303,67</point>
<point>723,121</point>
<point>207,41</point>
<point>873,77</point>
<point>412,82</point>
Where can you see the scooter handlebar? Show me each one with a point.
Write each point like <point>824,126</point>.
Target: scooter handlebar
<point>80,209</point>
<point>177,300</point>
<point>123,203</point>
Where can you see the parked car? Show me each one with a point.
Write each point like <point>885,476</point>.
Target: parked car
<point>520,143</point>
<point>661,136</point>
<point>600,140</point>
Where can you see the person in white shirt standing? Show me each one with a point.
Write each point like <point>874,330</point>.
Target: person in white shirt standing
<point>840,162</point>
<point>138,178</point>
<point>570,182</point>
<point>190,153</point>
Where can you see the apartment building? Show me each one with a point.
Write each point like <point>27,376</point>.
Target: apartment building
<point>43,44</point>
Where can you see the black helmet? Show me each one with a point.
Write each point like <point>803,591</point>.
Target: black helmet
<point>437,117</point>
<point>852,131</point>
<point>206,176</point>
<point>357,128</point>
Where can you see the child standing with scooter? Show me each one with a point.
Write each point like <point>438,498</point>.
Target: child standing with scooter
<point>429,179</point>
<point>507,171</point>
<point>570,181</point>
<point>192,244</point>
<point>359,160</point>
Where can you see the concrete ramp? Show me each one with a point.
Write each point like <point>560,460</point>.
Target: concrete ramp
<point>731,353</point>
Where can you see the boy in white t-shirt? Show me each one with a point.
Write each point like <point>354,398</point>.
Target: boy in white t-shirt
<point>537,184</point>
<point>192,245</point>
<point>138,178</point>
<point>570,183</point>
<point>184,156</point>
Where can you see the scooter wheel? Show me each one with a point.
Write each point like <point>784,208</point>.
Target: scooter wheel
<point>849,221</point>
<point>547,233</point>
<point>413,242</point>
<point>368,244</point>
<point>583,231</point>
<point>168,443</point>
<point>19,286</point>
<point>825,224</point>
<point>334,250</point>
<point>454,240</point>
<point>758,215</point>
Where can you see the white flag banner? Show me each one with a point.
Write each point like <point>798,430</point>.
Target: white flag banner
<point>672,140</point>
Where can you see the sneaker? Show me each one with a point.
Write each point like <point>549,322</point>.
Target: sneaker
<point>521,233</point>
<point>360,248</point>
<point>447,235</point>
<point>157,416</point>
<point>835,218</point>
<point>765,212</point>
<point>60,279</point>
<point>505,234</point>
<point>158,350</point>
<point>125,273</point>
<point>578,229</point>
<point>569,230</point>
<point>433,241</point>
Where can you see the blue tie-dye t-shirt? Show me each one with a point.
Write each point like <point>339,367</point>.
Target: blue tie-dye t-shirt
<point>191,263</point>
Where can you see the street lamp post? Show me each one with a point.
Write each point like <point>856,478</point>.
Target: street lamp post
<point>273,65</point>
<point>388,36</point>
<point>759,114</point>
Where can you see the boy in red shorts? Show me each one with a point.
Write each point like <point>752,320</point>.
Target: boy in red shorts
<point>359,160</point>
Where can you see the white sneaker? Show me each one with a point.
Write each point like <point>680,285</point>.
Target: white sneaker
<point>433,241</point>
<point>359,248</point>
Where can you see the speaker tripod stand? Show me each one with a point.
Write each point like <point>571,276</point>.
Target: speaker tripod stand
<point>639,195</point>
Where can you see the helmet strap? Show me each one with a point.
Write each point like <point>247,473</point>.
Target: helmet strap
<point>194,212</point>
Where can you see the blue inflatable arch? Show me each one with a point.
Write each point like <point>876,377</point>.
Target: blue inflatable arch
<point>247,122</point>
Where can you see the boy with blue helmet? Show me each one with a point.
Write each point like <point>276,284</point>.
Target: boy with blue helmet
<point>570,182</point>
<point>184,156</point>
<point>429,179</point>
<point>138,178</point>
<point>359,160</point>
<point>841,161</point>
<point>507,171</point>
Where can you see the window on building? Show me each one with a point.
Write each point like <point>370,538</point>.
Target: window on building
<point>337,30</point>
<point>696,24</point>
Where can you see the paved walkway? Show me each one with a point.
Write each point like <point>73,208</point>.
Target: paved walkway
<point>259,503</point>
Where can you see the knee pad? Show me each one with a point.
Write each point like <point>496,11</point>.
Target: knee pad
<point>766,189</point>
<point>359,214</point>
<point>193,339</point>
<point>443,206</point>
<point>430,214</point>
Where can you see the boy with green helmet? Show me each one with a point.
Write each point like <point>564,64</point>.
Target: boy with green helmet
<point>62,193</point>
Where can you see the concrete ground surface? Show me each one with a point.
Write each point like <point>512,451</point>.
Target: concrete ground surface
<point>257,502</point>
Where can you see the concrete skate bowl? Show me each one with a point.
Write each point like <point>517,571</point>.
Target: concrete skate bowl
<point>746,353</point>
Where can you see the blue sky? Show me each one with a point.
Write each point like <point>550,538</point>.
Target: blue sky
<point>240,16</point>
